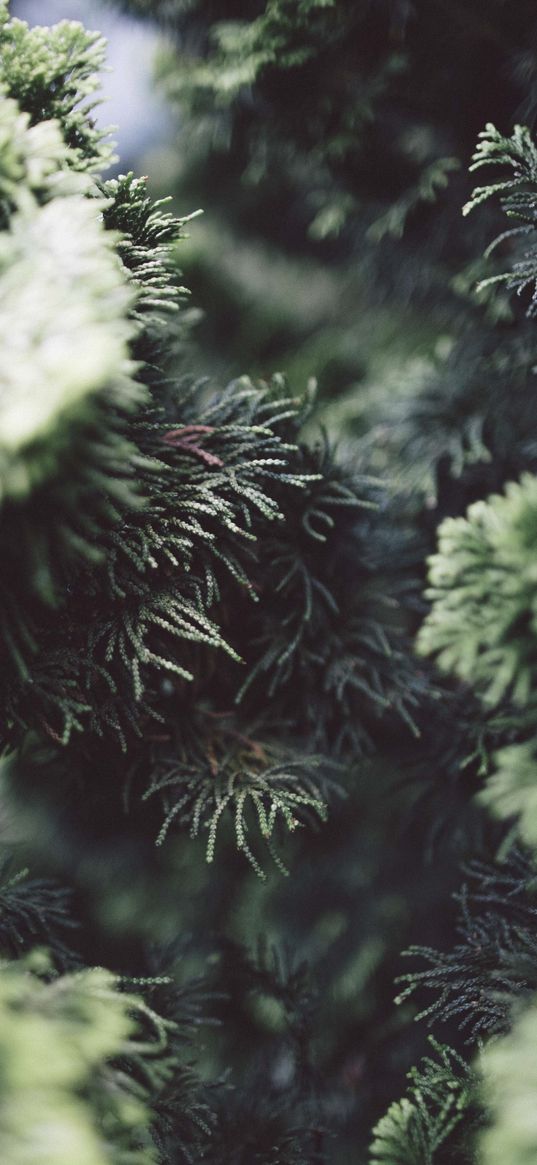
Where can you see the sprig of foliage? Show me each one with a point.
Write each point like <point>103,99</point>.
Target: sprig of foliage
<point>484,598</point>
<point>415,1130</point>
<point>76,431</point>
<point>431,181</point>
<point>239,776</point>
<point>145,236</point>
<point>62,295</point>
<point>33,911</point>
<point>518,197</point>
<point>478,980</point>
<point>53,75</point>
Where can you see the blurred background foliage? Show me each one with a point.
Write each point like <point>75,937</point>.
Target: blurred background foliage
<point>328,145</point>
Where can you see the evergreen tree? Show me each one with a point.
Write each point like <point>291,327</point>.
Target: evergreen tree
<point>241,784</point>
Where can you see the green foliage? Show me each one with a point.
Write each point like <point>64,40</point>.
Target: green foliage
<point>279,1125</point>
<point>83,1057</point>
<point>60,1098</point>
<point>83,311</point>
<point>52,73</point>
<point>285,35</point>
<point>32,161</point>
<point>509,1090</point>
<point>167,561</point>
<point>208,606</point>
<point>144,247</point>
<point>483,619</point>
<point>510,791</point>
<point>494,961</point>
<point>324,143</point>
<point>282,45</point>
<point>416,1128</point>
<point>309,624</point>
<point>33,911</point>
<point>518,196</point>
<point>242,778</point>
<point>176,558</point>
<point>450,427</point>
<point>431,181</point>
<point>62,296</point>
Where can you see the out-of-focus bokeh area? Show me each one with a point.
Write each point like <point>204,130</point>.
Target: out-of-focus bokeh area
<point>284,264</point>
<point>270,290</point>
<point>332,244</point>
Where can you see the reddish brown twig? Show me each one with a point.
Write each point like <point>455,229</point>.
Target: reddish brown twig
<point>186,438</point>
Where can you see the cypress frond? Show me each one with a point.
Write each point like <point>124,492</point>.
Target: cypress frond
<point>483,594</point>
<point>518,197</point>
<point>477,982</point>
<point>53,75</point>
<point>415,1129</point>
<point>237,776</point>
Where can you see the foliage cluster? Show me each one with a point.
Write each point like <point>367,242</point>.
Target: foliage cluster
<point>216,633</point>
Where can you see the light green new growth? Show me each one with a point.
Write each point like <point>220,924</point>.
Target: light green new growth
<point>512,789</point>
<point>67,308</point>
<point>61,1101</point>
<point>483,620</point>
<point>509,1092</point>
<point>415,1128</point>
<point>63,305</point>
<point>54,73</point>
<point>64,298</point>
<point>32,161</point>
